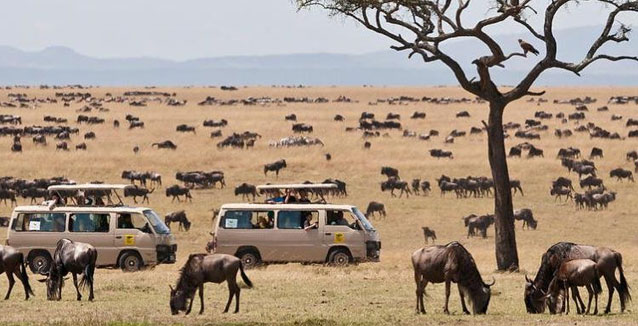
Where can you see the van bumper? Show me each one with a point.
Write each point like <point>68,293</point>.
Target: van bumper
<point>166,254</point>
<point>373,251</point>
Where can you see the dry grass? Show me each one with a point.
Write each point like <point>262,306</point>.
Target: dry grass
<point>293,294</point>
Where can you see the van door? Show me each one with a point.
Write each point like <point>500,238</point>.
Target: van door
<point>94,228</point>
<point>342,229</point>
<point>248,228</point>
<point>297,240</point>
<point>134,232</point>
<point>37,231</point>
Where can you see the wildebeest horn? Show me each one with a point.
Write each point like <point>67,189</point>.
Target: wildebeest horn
<point>493,282</point>
<point>171,287</point>
<point>527,279</point>
<point>42,280</point>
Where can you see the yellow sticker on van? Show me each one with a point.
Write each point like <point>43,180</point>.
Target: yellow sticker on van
<point>339,237</point>
<point>129,240</point>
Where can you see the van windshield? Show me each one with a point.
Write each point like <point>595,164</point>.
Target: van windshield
<point>156,222</point>
<point>364,221</point>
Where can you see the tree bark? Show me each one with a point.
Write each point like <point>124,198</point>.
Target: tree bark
<point>505,237</point>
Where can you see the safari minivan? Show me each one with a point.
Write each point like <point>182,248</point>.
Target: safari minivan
<point>265,233</point>
<point>125,237</point>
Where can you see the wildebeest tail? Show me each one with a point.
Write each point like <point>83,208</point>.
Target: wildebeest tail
<point>623,287</point>
<point>23,274</point>
<point>244,276</point>
<point>597,287</point>
<point>89,271</point>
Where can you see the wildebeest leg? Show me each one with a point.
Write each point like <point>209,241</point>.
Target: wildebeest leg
<point>145,199</point>
<point>237,292</point>
<point>465,311</point>
<point>566,306</point>
<point>201,298</point>
<point>75,283</point>
<point>577,300</point>
<point>591,296</point>
<point>447,297</point>
<point>190,305</point>
<point>135,199</point>
<point>172,200</point>
<point>420,291</point>
<point>610,287</point>
<point>231,293</point>
<point>11,283</point>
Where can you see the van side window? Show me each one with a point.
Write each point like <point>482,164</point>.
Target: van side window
<point>296,219</point>
<point>89,222</point>
<point>243,220</point>
<point>132,221</point>
<point>340,218</point>
<point>40,222</point>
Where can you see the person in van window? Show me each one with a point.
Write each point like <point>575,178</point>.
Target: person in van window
<point>124,222</point>
<point>303,197</point>
<point>338,219</point>
<point>58,223</point>
<point>262,223</point>
<point>308,224</point>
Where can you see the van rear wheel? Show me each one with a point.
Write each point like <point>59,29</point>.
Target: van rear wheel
<point>339,258</point>
<point>40,262</point>
<point>131,262</point>
<point>249,259</point>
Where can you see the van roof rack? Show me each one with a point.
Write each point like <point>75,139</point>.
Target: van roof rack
<point>298,186</point>
<point>69,191</point>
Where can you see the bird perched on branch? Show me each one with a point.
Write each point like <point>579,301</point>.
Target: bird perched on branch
<point>527,47</point>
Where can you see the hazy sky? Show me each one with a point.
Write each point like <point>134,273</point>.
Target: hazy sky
<point>187,29</point>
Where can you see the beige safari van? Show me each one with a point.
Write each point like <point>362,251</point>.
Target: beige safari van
<point>125,237</point>
<point>306,233</point>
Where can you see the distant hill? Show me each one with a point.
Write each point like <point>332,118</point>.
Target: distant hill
<point>60,65</point>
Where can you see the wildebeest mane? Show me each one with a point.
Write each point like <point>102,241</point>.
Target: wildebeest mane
<point>550,262</point>
<point>184,281</point>
<point>469,277</point>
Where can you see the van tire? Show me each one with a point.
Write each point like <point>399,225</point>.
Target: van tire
<point>339,258</point>
<point>131,261</point>
<point>39,261</point>
<point>249,258</point>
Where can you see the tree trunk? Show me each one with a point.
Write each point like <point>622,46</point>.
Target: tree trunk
<point>505,237</point>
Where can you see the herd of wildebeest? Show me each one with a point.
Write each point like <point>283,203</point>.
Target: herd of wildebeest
<point>564,267</point>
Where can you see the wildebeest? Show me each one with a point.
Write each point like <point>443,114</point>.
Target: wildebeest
<point>439,153</point>
<point>527,217</point>
<point>428,234</point>
<point>632,155</point>
<point>89,135</point>
<point>463,114</point>
<point>450,263</point>
<point>12,263</point>
<point>185,128</point>
<point>596,153</point>
<point>571,274</point>
<point>138,192</point>
<point>213,123</point>
<point>291,117</point>
<point>514,152</point>
<point>167,144</point>
<point>134,176</point>
<point>561,191</point>
<point>394,183</point>
<point>245,190</point>
<point>375,207</point>
<point>367,145</point>
<point>75,258</point>
<point>516,185</point>
<point>607,261</point>
<point>302,127</point>
<point>275,166</point>
<point>591,181</point>
<point>216,133</point>
<point>338,117</point>
<point>389,171</point>
<point>480,223</point>
<point>81,147</point>
<point>418,115</point>
<point>203,268</point>
<point>534,152</point>
<point>64,146</point>
<point>562,182</point>
<point>175,191</point>
<point>180,218</point>
<point>620,174</point>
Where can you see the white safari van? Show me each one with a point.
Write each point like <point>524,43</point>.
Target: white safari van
<point>295,232</point>
<point>125,237</point>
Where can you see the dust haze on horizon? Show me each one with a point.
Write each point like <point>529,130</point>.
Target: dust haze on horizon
<point>198,28</point>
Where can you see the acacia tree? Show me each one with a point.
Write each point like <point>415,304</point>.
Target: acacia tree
<point>431,23</point>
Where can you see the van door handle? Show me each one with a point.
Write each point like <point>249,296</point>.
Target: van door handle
<point>118,237</point>
<point>328,233</point>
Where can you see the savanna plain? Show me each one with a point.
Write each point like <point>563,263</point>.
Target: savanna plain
<point>366,294</point>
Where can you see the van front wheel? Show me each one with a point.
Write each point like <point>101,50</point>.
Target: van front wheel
<point>131,262</point>
<point>249,259</point>
<point>339,258</point>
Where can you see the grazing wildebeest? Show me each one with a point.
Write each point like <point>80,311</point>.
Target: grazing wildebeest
<point>138,192</point>
<point>527,217</point>
<point>64,146</point>
<point>571,274</point>
<point>180,218</point>
<point>136,124</point>
<point>439,153</point>
<point>375,207</point>
<point>450,263</point>
<point>534,152</point>
<point>167,144</point>
<point>116,123</point>
<point>389,171</point>
<point>185,128</point>
<point>175,191</point>
<point>516,185</point>
<point>89,135</point>
<point>275,166</point>
<point>40,140</point>
<point>428,234</point>
<point>12,263</point>
<point>561,191</point>
<point>596,153</point>
<point>394,183</point>
<point>245,190</point>
<point>515,152</point>
<point>632,156</point>
<point>216,133</point>
<point>203,268</point>
<point>136,149</point>
<point>338,117</point>
<point>291,117</point>
<point>607,261</point>
<point>620,174</point>
<point>302,127</point>
<point>16,147</point>
<point>418,115</point>
<point>75,258</point>
<point>463,114</point>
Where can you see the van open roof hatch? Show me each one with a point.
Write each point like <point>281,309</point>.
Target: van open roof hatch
<point>318,189</point>
<point>90,189</point>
